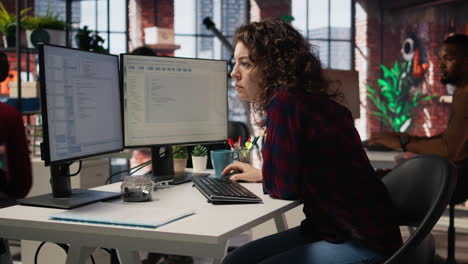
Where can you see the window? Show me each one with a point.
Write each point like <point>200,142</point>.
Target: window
<point>327,24</point>
<point>112,30</point>
<point>196,41</point>
<point>194,38</point>
<point>92,13</point>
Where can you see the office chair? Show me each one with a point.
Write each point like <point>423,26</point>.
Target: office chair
<point>420,188</point>
<point>238,129</point>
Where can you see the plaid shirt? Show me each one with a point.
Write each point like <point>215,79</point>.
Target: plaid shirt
<point>313,153</point>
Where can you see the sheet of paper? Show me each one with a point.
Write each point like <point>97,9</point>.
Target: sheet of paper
<point>123,214</point>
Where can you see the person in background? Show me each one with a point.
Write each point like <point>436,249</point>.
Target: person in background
<point>453,142</point>
<point>16,177</point>
<point>140,156</point>
<point>312,153</point>
<point>143,50</point>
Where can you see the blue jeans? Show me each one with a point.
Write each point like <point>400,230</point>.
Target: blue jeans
<point>291,247</point>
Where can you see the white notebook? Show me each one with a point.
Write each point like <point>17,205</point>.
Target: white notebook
<point>123,214</point>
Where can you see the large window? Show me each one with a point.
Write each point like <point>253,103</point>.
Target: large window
<point>94,14</point>
<point>327,24</point>
<point>191,34</point>
<point>196,41</point>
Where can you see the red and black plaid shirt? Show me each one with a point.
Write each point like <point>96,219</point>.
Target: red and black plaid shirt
<point>313,153</point>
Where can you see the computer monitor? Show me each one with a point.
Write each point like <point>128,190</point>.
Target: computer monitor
<point>82,117</point>
<point>173,101</point>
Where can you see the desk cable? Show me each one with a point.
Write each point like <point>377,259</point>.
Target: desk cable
<point>137,167</point>
<point>65,248</point>
<point>78,171</point>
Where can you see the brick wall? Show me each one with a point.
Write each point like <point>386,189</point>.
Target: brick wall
<point>10,5</point>
<point>159,13</point>
<point>12,61</point>
<point>274,8</point>
<point>431,25</point>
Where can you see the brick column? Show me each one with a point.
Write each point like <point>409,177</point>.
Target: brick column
<point>274,8</point>
<point>158,13</point>
<point>372,50</point>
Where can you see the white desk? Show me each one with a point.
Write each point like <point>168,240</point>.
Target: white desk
<point>382,159</point>
<point>204,234</point>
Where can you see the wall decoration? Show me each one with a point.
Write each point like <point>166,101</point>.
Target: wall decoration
<point>403,86</point>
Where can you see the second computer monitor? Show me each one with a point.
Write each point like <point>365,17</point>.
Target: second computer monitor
<point>170,100</point>
<point>173,101</point>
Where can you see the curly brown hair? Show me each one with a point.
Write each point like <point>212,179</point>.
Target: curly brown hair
<point>284,58</point>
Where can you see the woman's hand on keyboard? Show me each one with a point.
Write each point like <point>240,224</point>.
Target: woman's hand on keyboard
<point>247,172</point>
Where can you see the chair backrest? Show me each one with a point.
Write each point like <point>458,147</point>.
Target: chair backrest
<point>237,129</point>
<point>420,188</point>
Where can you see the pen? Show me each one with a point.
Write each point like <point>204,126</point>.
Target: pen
<point>248,145</point>
<point>231,143</point>
<point>254,142</point>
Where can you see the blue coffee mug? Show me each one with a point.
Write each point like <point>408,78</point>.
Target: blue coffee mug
<point>221,159</point>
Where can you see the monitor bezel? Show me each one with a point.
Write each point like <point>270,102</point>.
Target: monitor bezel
<point>190,143</point>
<point>45,147</point>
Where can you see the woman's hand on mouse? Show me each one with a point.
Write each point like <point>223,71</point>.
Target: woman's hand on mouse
<point>247,172</point>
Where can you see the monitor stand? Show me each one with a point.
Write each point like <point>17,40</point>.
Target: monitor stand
<point>63,196</point>
<point>163,167</point>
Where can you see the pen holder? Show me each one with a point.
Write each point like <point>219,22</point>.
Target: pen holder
<point>138,188</point>
<point>244,155</point>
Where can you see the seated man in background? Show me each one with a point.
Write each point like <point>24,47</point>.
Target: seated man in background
<point>453,143</point>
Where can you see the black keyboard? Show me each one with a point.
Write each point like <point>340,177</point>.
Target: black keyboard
<point>224,191</point>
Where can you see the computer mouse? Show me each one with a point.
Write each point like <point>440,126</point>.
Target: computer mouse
<point>232,172</point>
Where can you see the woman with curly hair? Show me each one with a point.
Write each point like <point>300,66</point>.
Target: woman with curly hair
<point>312,153</point>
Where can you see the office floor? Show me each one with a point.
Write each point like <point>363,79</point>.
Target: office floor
<point>461,244</point>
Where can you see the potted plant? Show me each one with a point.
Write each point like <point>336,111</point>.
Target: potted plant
<point>8,25</point>
<point>180,156</point>
<point>89,40</point>
<point>199,158</point>
<point>48,29</point>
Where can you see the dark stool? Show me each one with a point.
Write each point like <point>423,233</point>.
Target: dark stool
<point>460,195</point>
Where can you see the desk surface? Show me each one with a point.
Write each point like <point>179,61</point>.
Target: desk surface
<point>201,234</point>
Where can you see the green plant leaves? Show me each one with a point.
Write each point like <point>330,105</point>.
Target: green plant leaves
<point>200,151</point>
<point>7,20</point>
<point>393,101</point>
<point>179,152</point>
